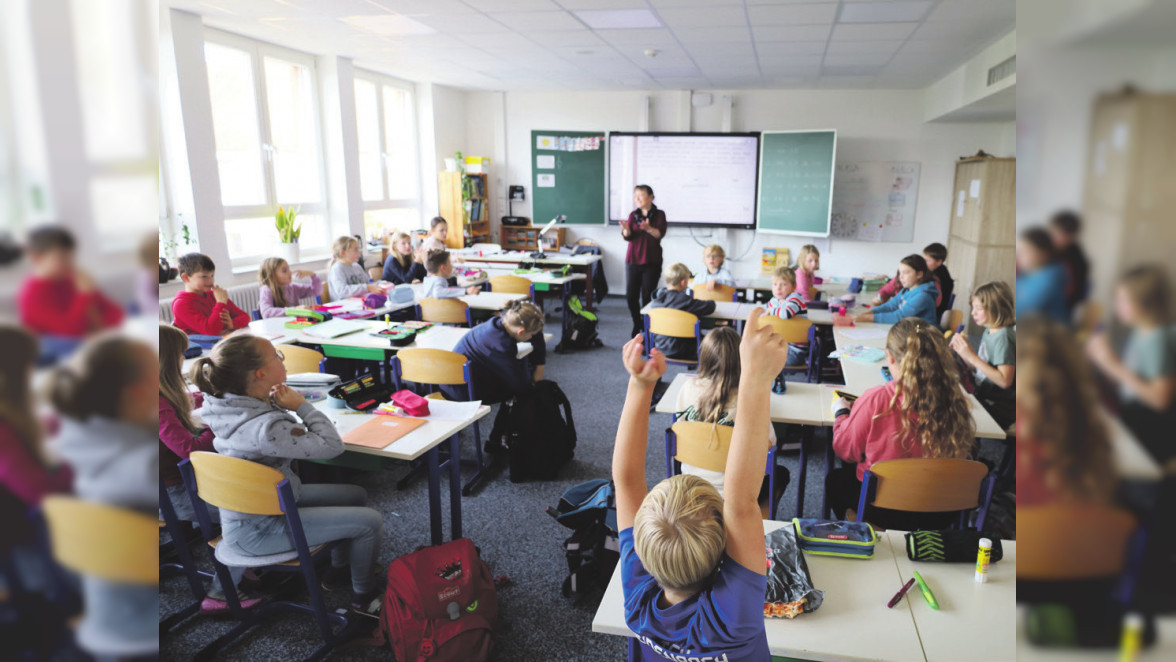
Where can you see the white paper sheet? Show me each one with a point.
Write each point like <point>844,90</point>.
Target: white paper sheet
<point>870,232</point>
<point>855,333</point>
<point>545,161</point>
<point>444,410</point>
<point>545,181</point>
<point>1119,136</point>
<point>544,142</point>
<point>960,204</point>
<point>975,189</point>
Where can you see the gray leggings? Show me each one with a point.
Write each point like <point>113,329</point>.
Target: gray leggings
<point>328,512</point>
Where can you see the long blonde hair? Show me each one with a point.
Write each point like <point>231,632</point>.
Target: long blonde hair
<point>996,299</point>
<point>1057,411</point>
<point>16,400</point>
<point>1147,287</point>
<point>402,260</point>
<point>341,245</point>
<point>268,275</point>
<point>718,364</point>
<point>802,256</point>
<point>927,398</point>
<point>172,343</point>
<point>525,315</point>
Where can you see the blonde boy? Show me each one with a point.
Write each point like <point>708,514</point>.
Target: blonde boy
<point>713,258</point>
<point>674,295</point>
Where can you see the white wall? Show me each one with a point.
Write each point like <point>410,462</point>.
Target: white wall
<point>876,125</point>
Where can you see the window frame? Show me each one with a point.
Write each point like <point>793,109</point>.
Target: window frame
<point>387,202</point>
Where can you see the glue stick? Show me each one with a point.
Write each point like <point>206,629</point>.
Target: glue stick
<point>387,321</point>
<point>1132,638</point>
<point>983,556</point>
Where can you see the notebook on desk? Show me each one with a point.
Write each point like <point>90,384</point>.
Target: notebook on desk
<point>333,328</point>
<point>382,431</point>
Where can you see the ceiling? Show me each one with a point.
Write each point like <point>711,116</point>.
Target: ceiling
<point>604,44</point>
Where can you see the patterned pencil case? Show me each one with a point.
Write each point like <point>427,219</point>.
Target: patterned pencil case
<point>854,540</point>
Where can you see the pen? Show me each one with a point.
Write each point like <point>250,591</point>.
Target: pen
<point>927,594</point>
<point>901,592</point>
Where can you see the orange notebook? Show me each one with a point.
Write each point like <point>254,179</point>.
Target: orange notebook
<point>381,431</point>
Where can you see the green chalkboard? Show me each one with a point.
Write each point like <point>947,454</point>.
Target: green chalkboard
<point>796,182</point>
<point>567,176</point>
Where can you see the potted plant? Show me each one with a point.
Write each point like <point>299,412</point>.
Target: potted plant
<point>287,234</point>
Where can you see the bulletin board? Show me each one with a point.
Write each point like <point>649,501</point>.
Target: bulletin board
<point>567,176</point>
<point>875,200</point>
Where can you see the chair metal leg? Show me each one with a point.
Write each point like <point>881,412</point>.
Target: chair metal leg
<point>435,493</point>
<point>825,487</point>
<point>455,490</point>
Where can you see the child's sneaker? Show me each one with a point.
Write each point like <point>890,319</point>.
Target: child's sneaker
<point>368,604</point>
<point>219,605</point>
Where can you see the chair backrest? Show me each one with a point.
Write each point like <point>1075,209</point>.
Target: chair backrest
<point>103,541</point>
<point>236,484</point>
<point>444,311</point>
<point>795,330</point>
<point>703,445</point>
<point>1072,541</point>
<point>431,366</point>
<point>951,319</point>
<point>325,297</point>
<point>509,284</point>
<point>300,359</point>
<point>672,322</point>
<point>720,293</point>
<point>812,293</point>
<point>928,485</point>
<point>1087,316</point>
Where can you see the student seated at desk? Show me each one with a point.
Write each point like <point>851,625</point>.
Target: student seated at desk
<point>996,362</point>
<point>58,302</point>
<point>674,295</point>
<point>922,413</point>
<point>106,397</point>
<point>787,303</point>
<point>1064,229</point>
<point>440,268</point>
<point>278,289</point>
<point>492,348</point>
<point>692,562</point>
<point>935,254</point>
<point>917,298</point>
<point>1146,371</point>
<point>346,278</point>
<point>247,405</point>
<point>715,273</point>
<point>435,240</point>
<point>1042,281</point>
<point>807,263</point>
<point>204,307</point>
<point>712,396</point>
<point>402,266</point>
<point>1063,444</point>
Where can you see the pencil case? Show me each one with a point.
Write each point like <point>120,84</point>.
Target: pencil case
<point>363,393</point>
<point>202,340</point>
<point>852,540</point>
<point>309,313</point>
<point>950,545</point>
<point>411,403</point>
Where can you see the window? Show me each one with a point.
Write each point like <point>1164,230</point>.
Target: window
<point>268,147</point>
<point>386,129</point>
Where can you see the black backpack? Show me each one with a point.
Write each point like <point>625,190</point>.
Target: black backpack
<point>580,332</point>
<point>593,550</point>
<point>538,435</point>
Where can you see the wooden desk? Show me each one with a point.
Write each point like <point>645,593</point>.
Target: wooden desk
<point>853,623</point>
<point>424,440</point>
<point>581,263</point>
<point>1165,648</point>
<point>724,310</point>
<point>975,622</point>
<point>802,404</point>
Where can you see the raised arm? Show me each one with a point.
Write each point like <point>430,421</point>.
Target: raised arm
<point>762,355</point>
<point>628,466</point>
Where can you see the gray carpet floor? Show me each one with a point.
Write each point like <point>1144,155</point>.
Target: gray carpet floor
<point>508,523</point>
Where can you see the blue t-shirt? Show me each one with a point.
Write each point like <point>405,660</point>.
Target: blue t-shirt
<point>722,623</point>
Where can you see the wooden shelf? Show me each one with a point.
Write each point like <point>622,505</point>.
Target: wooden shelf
<point>466,214</point>
<point>526,238</point>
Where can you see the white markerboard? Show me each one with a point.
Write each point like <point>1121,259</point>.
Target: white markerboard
<point>875,200</point>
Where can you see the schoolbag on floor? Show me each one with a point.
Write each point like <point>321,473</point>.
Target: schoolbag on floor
<point>538,431</point>
<point>581,331</point>
<point>440,604</point>
<point>593,549</point>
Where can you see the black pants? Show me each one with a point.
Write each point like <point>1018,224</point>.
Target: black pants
<point>640,282</point>
<point>844,488</point>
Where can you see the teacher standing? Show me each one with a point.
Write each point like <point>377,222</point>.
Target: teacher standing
<point>643,261</point>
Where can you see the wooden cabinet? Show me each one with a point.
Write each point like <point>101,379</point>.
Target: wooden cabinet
<point>1129,193</point>
<point>981,246</point>
<point>465,204</point>
<point>526,238</point>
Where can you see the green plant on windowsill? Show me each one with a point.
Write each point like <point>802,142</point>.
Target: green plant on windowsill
<point>288,233</point>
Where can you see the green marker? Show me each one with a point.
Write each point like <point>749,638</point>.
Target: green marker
<point>927,594</point>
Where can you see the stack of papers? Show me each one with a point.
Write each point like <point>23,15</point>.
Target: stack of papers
<point>859,353</point>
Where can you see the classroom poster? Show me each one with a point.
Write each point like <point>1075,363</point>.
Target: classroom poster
<point>875,200</point>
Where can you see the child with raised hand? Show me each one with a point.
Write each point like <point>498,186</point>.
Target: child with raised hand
<point>346,278</point>
<point>713,257</point>
<point>692,562</point>
<point>1146,371</point>
<point>251,411</point>
<point>921,413</point>
<point>917,298</point>
<point>996,361</point>
<point>807,263</point>
<point>402,266</point>
<point>278,289</point>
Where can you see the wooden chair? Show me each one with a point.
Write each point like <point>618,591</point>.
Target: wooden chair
<point>509,284</point>
<point>1049,536</point>
<point>108,543</point>
<point>927,485</point>
<point>720,293</point>
<point>796,331</point>
<point>248,487</point>
<point>951,319</point>
<point>302,359</point>
<point>675,324</point>
<point>437,367</point>
<point>326,295</point>
<point>706,445</point>
<point>444,311</point>
<point>1087,317</point>
<point>813,292</point>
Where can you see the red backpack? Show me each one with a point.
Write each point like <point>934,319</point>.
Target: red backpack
<point>440,604</point>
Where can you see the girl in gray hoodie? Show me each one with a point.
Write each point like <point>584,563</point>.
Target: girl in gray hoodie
<point>256,417</point>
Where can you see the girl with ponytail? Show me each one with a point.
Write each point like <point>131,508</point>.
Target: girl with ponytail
<point>922,413</point>
<point>492,348</point>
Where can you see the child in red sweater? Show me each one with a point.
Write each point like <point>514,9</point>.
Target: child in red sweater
<point>922,413</point>
<point>57,301</point>
<point>204,307</point>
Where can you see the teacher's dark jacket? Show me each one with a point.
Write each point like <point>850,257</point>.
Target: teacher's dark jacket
<point>643,248</point>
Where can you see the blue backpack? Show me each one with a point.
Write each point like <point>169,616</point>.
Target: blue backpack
<point>593,550</point>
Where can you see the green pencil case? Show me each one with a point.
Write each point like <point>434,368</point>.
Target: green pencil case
<point>852,540</point>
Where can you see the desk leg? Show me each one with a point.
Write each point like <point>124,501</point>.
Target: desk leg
<point>825,488</point>
<point>455,486</point>
<point>801,478</point>
<point>564,290</point>
<point>588,289</point>
<point>435,494</point>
